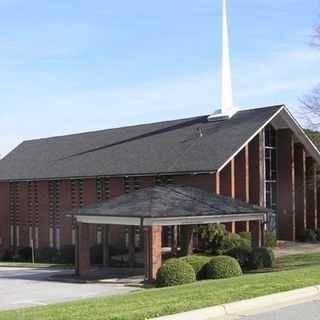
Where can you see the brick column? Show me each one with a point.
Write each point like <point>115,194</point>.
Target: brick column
<point>105,245</point>
<point>131,245</point>
<point>186,240</point>
<point>286,186</point>
<point>256,169</point>
<point>174,244</point>
<point>312,202</point>
<point>300,194</point>
<point>242,191</point>
<point>256,233</point>
<point>152,252</point>
<point>83,249</point>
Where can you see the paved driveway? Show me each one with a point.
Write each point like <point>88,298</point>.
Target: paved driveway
<point>27,287</point>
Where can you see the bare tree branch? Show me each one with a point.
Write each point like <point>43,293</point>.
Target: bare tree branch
<point>311,102</point>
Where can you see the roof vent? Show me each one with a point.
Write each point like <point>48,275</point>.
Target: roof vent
<point>227,109</point>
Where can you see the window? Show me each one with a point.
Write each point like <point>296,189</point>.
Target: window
<point>36,237</point>
<point>51,244</point>
<point>271,176</point>
<point>58,238</point>
<point>18,236</point>
<point>99,237</point>
<point>73,236</point>
<point>11,235</point>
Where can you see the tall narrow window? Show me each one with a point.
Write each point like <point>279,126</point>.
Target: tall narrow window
<point>73,235</point>
<point>12,235</point>
<point>271,174</point>
<point>51,243</point>
<point>36,238</point>
<point>18,236</point>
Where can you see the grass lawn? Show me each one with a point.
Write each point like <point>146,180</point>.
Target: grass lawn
<point>29,265</point>
<point>299,271</point>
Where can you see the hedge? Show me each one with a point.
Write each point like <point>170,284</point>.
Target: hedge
<point>175,272</point>
<point>222,267</point>
<point>198,264</point>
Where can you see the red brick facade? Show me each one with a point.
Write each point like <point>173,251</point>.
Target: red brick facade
<point>41,208</point>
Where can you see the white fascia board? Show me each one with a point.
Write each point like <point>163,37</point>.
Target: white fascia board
<point>294,125</point>
<point>170,221</point>
<point>128,221</point>
<point>252,137</point>
<point>202,219</point>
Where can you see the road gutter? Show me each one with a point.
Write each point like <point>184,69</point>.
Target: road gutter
<point>252,306</point>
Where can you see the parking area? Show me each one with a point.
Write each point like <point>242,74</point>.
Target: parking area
<point>27,287</point>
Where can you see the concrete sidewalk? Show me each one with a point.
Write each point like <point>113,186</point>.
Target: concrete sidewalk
<point>252,306</point>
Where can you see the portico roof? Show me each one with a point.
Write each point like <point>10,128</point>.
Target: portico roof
<point>168,205</point>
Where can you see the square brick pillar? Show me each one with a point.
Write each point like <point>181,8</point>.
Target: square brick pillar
<point>83,249</point>
<point>312,201</point>
<point>132,246</point>
<point>286,186</point>
<point>301,190</point>
<point>106,246</point>
<point>186,245</point>
<point>256,233</point>
<point>256,159</point>
<point>152,251</point>
<point>174,244</point>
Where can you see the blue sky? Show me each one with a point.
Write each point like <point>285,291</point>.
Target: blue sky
<point>77,65</point>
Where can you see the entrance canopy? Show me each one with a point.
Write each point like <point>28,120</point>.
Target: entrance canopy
<point>169,205</point>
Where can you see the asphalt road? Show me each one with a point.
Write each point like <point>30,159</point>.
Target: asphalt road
<point>20,288</point>
<point>306,311</point>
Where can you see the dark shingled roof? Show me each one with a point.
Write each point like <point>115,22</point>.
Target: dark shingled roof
<point>178,146</point>
<point>168,202</point>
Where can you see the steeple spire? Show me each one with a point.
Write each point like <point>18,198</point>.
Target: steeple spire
<point>227,109</point>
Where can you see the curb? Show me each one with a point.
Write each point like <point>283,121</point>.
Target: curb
<point>277,300</point>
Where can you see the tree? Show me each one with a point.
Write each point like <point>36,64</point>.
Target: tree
<point>311,101</point>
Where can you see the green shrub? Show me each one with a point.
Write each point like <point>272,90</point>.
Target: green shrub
<point>49,254</point>
<point>307,235</point>
<point>67,254</point>
<point>245,235</point>
<point>218,241</point>
<point>241,254</point>
<point>198,264</point>
<point>261,258</point>
<point>25,254</point>
<point>270,239</point>
<point>212,236</point>
<point>175,272</point>
<point>233,240</point>
<point>222,267</point>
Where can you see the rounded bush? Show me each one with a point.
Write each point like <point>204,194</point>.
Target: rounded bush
<point>222,267</point>
<point>25,254</point>
<point>245,235</point>
<point>198,264</point>
<point>175,272</point>
<point>261,258</point>
<point>233,240</point>
<point>241,254</point>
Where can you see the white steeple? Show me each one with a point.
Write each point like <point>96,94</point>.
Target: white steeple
<point>227,109</point>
